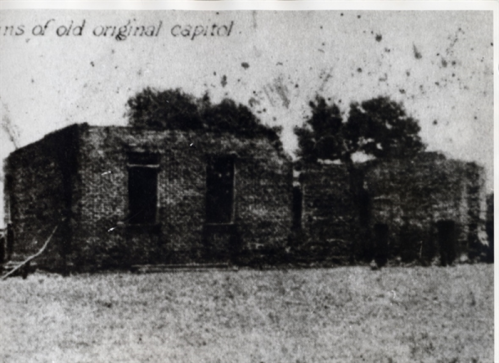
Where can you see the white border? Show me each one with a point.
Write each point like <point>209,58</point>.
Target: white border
<point>439,5</point>
<point>251,5</point>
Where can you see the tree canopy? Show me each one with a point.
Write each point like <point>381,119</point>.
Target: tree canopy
<point>175,110</point>
<point>378,127</point>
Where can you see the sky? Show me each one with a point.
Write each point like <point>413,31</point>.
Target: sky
<point>61,67</point>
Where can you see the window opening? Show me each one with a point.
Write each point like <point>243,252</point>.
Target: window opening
<point>142,188</point>
<point>220,190</point>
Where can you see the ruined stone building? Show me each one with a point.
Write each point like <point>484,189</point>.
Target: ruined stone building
<point>124,196</point>
<point>424,208</point>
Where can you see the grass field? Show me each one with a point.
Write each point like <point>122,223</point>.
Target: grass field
<point>349,314</point>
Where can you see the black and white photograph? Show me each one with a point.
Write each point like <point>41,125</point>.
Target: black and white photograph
<point>221,181</point>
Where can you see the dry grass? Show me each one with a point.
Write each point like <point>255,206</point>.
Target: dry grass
<point>330,315</point>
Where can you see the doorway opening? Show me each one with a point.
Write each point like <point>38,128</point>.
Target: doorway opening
<point>381,236</point>
<point>447,241</point>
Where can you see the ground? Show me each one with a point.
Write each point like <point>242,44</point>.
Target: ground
<point>348,314</point>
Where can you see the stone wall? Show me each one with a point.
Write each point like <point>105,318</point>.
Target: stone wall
<point>77,178</point>
<point>402,207</point>
<point>89,186</point>
<point>329,216</point>
<point>414,197</point>
<point>39,189</point>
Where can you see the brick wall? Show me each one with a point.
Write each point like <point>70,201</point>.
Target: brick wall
<point>413,196</point>
<point>262,195</point>
<point>329,214</point>
<point>410,197</point>
<point>80,173</point>
<point>40,178</point>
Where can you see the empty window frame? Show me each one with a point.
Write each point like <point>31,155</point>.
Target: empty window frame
<point>142,188</point>
<point>220,190</point>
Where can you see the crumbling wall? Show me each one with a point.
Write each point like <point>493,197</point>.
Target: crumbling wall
<point>262,196</point>
<point>413,196</point>
<point>264,199</point>
<point>402,209</point>
<point>40,179</point>
<point>79,175</point>
<point>330,216</point>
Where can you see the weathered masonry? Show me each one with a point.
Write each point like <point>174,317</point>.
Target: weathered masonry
<point>124,196</point>
<point>429,206</point>
<point>424,208</point>
<point>328,212</point>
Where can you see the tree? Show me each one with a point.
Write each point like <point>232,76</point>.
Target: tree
<point>169,109</point>
<point>379,128</point>
<point>176,110</point>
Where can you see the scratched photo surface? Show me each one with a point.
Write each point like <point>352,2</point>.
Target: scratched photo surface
<point>206,194</point>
